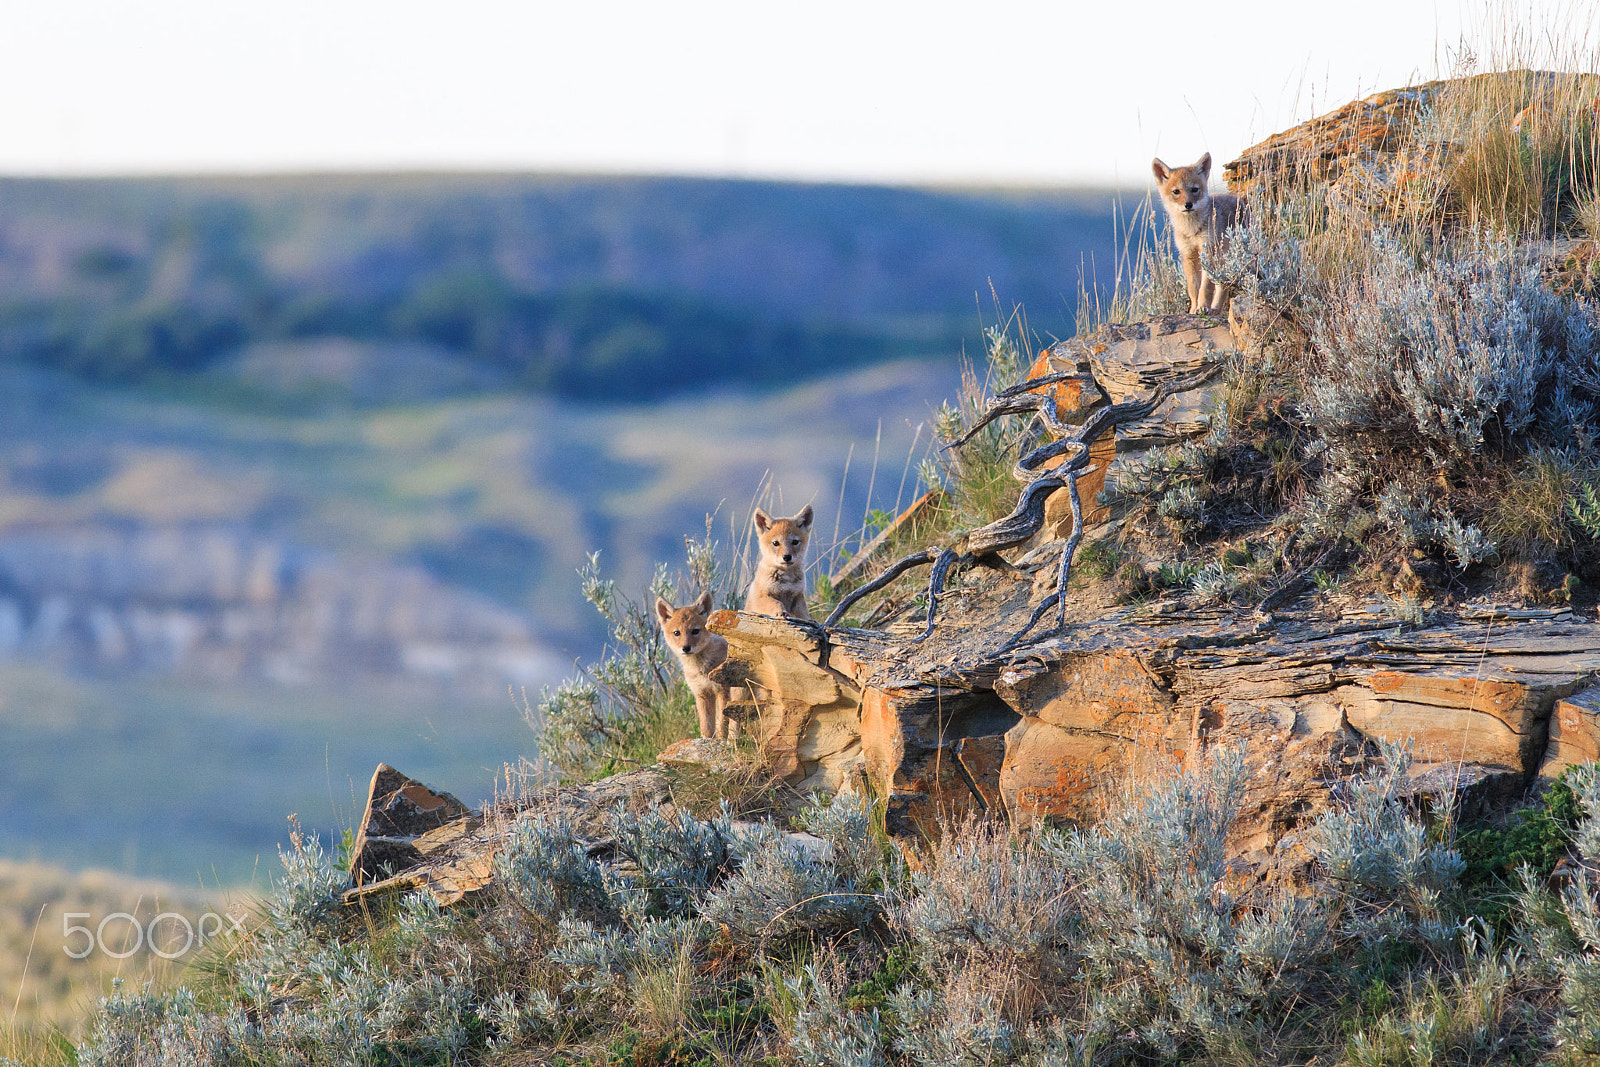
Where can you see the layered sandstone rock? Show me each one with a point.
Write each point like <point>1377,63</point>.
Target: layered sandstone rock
<point>1049,732</point>
<point>1390,155</point>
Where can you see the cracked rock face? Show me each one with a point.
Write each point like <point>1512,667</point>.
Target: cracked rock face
<point>1050,731</point>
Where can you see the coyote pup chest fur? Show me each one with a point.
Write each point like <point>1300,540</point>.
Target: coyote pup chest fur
<point>779,584</point>
<point>699,652</point>
<point>1200,221</point>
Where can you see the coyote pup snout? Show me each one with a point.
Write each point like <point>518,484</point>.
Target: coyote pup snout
<point>699,652</point>
<point>1200,220</point>
<point>779,585</point>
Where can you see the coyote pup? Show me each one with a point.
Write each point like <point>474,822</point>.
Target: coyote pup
<point>1200,219</point>
<point>699,652</point>
<point>779,584</point>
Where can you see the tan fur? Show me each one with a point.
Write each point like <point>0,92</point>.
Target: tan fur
<point>1201,220</point>
<point>779,584</point>
<point>699,652</point>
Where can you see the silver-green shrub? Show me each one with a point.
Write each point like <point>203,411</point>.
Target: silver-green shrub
<point>146,1029</point>
<point>1578,1029</point>
<point>1169,953</point>
<point>676,857</point>
<point>958,1024</point>
<point>514,1020</point>
<point>1434,356</point>
<point>827,1032</point>
<point>308,892</point>
<point>1418,523</point>
<point>846,822</point>
<point>548,871</point>
<point>1376,847</point>
<point>781,892</point>
<point>990,898</point>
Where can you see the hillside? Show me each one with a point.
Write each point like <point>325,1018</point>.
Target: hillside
<point>580,287</point>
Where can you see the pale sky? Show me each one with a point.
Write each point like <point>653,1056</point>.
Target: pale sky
<point>992,92</point>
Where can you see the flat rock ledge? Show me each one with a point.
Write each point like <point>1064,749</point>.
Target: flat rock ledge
<point>947,728</point>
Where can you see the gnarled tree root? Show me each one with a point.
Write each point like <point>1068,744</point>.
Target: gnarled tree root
<point>1027,518</point>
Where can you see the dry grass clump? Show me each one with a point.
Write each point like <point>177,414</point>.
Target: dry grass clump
<point>1526,144</point>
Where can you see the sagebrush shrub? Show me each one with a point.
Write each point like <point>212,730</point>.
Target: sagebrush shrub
<point>1445,356</point>
<point>988,897</point>
<point>780,893</point>
<point>1171,953</point>
<point>1418,523</point>
<point>827,1032</point>
<point>1376,847</point>
<point>677,857</point>
<point>958,1024</point>
<point>545,868</point>
<point>307,894</point>
<point>1578,1030</point>
<point>847,822</point>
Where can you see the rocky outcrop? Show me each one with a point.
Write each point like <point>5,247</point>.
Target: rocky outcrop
<point>400,811</point>
<point>1048,732</point>
<point>1390,155</point>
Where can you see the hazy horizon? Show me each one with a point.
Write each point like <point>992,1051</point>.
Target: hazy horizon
<point>877,93</point>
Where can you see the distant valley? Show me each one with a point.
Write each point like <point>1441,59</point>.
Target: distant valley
<point>304,467</point>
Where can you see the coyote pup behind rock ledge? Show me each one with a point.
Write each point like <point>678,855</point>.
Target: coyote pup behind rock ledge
<point>779,585</point>
<point>1200,220</point>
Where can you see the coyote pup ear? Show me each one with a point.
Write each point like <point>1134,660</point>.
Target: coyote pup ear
<point>804,518</point>
<point>1160,170</point>
<point>703,605</point>
<point>762,520</point>
<point>1204,166</point>
<point>663,609</point>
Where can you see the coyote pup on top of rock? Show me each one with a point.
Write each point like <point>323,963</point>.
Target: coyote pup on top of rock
<point>699,652</point>
<point>779,585</point>
<point>1200,219</point>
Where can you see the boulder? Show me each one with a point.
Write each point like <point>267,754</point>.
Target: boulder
<point>399,810</point>
<point>1574,732</point>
